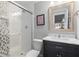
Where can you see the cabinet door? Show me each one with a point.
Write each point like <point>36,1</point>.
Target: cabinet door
<point>59,51</point>
<point>68,51</point>
<point>76,50</point>
<point>52,49</point>
<point>49,49</point>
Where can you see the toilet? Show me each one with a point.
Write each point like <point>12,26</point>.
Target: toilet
<point>37,45</point>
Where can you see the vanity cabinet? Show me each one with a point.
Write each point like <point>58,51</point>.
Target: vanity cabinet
<point>58,49</point>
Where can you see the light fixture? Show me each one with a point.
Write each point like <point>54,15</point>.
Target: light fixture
<point>52,3</point>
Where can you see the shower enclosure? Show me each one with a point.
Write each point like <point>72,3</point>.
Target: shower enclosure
<point>15,30</point>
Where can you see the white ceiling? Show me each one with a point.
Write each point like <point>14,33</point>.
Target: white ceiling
<point>27,4</point>
<point>23,3</point>
<point>30,4</point>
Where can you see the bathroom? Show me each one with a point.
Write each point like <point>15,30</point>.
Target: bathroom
<point>39,28</point>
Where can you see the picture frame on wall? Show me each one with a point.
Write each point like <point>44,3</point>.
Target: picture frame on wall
<point>40,20</point>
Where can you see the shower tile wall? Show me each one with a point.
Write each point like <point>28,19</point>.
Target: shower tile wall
<point>10,29</point>
<point>4,30</point>
<point>4,37</point>
<point>14,15</point>
<point>19,39</point>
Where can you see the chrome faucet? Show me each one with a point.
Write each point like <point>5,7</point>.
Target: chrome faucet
<point>59,36</point>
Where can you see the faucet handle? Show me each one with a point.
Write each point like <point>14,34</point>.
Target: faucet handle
<point>59,36</point>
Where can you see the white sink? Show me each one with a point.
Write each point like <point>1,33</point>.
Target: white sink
<point>69,39</point>
<point>61,38</point>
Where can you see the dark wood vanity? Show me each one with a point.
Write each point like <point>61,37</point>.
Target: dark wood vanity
<point>61,20</point>
<point>59,49</point>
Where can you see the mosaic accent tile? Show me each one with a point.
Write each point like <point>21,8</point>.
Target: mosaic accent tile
<point>4,36</point>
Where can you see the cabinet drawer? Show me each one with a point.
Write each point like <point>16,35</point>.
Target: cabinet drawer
<point>52,43</point>
<point>50,51</point>
<point>59,44</point>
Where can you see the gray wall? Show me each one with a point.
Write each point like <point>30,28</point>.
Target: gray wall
<point>42,31</point>
<point>41,8</point>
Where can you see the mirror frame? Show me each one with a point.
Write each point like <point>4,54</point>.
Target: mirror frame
<point>51,11</point>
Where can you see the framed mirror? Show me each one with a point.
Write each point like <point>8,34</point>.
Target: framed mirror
<point>61,18</point>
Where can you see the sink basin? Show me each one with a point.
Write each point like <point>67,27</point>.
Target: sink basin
<point>61,38</point>
<point>70,39</point>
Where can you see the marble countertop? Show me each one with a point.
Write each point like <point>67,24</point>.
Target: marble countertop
<point>63,40</point>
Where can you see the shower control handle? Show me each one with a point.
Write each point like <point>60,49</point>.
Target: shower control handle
<point>26,26</point>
